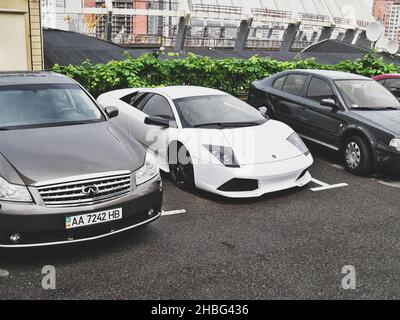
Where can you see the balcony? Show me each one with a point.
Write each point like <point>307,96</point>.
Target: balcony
<point>259,13</point>
<point>220,43</point>
<point>314,18</point>
<point>263,44</point>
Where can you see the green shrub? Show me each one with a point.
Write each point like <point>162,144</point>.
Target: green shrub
<point>231,75</point>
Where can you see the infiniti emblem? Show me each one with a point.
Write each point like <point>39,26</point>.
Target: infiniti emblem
<point>274,156</point>
<point>90,190</point>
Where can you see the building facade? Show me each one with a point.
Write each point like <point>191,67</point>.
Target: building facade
<point>68,20</point>
<point>392,28</point>
<point>254,24</point>
<point>387,12</point>
<point>20,35</point>
<point>380,10</point>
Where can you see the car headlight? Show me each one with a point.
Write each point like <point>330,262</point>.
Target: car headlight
<point>224,154</point>
<point>13,192</point>
<point>148,171</point>
<point>395,143</point>
<point>295,140</point>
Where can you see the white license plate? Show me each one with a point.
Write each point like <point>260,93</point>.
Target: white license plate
<point>93,218</point>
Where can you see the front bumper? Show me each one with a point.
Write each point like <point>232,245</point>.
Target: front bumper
<point>269,177</point>
<point>42,226</point>
<point>387,159</point>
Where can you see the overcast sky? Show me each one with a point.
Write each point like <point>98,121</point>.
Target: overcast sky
<point>370,3</point>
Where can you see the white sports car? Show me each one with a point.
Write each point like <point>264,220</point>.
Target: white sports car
<point>212,140</point>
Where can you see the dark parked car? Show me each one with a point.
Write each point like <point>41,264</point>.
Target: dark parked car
<point>390,82</point>
<point>67,174</point>
<point>345,112</point>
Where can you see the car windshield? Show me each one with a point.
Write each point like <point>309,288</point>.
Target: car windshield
<point>367,95</point>
<point>219,111</point>
<point>40,105</point>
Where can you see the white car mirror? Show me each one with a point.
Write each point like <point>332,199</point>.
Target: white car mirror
<point>263,111</point>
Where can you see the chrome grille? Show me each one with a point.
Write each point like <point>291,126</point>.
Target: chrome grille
<point>85,192</point>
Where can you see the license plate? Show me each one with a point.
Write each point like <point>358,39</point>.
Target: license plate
<point>93,218</point>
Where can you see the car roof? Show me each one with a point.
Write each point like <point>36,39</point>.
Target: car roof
<point>177,92</point>
<point>33,77</point>
<point>387,76</point>
<point>333,75</point>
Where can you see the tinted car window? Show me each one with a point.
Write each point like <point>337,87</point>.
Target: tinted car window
<point>392,83</point>
<point>294,83</point>
<point>222,109</point>
<point>366,94</point>
<point>319,89</point>
<point>135,99</point>
<point>278,83</point>
<point>39,105</point>
<point>158,106</point>
<point>130,97</point>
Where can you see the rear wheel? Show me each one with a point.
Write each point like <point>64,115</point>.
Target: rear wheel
<point>181,167</point>
<point>357,155</point>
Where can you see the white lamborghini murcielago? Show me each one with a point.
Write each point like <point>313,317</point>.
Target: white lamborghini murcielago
<point>211,140</point>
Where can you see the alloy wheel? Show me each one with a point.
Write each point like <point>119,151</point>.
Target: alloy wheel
<point>353,155</point>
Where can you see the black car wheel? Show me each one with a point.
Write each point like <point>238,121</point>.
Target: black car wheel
<point>357,155</point>
<point>181,168</point>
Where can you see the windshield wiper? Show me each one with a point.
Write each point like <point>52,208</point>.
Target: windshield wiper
<point>226,124</point>
<point>211,124</point>
<point>388,108</point>
<point>375,109</point>
<point>4,129</point>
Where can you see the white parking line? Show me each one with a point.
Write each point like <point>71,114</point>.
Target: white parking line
<point>393,184</point>
<point>325,186</point>
<point>4,273</point>
<point>337,166</point>
<point>173,212</point>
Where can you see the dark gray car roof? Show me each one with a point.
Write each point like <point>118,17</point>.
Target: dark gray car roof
<point>333,75</point>
<point>26,77</point>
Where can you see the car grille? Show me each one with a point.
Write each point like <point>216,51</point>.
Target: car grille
<point>85,192</point>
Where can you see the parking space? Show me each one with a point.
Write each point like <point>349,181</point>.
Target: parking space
<point>290,244</point>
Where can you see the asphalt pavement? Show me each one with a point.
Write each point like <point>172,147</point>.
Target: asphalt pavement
<point>286,245</point>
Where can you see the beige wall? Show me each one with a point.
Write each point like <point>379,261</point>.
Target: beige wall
<point>21,45</point>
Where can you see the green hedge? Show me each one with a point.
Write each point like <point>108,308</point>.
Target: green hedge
<point>231,75</point>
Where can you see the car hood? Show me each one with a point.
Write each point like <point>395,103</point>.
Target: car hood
<point>262,144</point>
<point>387,120</point>
<point>42,154</point>
<point>251,145</point>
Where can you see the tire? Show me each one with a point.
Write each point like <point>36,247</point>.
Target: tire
<point>181,170</point>
<point>357,155</point>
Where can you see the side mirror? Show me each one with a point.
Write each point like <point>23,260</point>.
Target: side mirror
<point>331,103</point>
<point>264,111</point>
<point>112,112</point>
<point>157,121</point>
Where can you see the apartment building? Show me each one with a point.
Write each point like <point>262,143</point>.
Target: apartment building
<point>393,21</point>
<point>387,12</point>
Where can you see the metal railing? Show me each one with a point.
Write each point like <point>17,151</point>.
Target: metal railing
<point>209,8</point>
<point>221,43</point>
<point>342,21</point>
<point>314,17</point>
<point>299,45</point>
<point>144,40</point>
<point>272,13</point>
<point>264,44</point>
<point>363,24</point>
<point>145,4</point>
